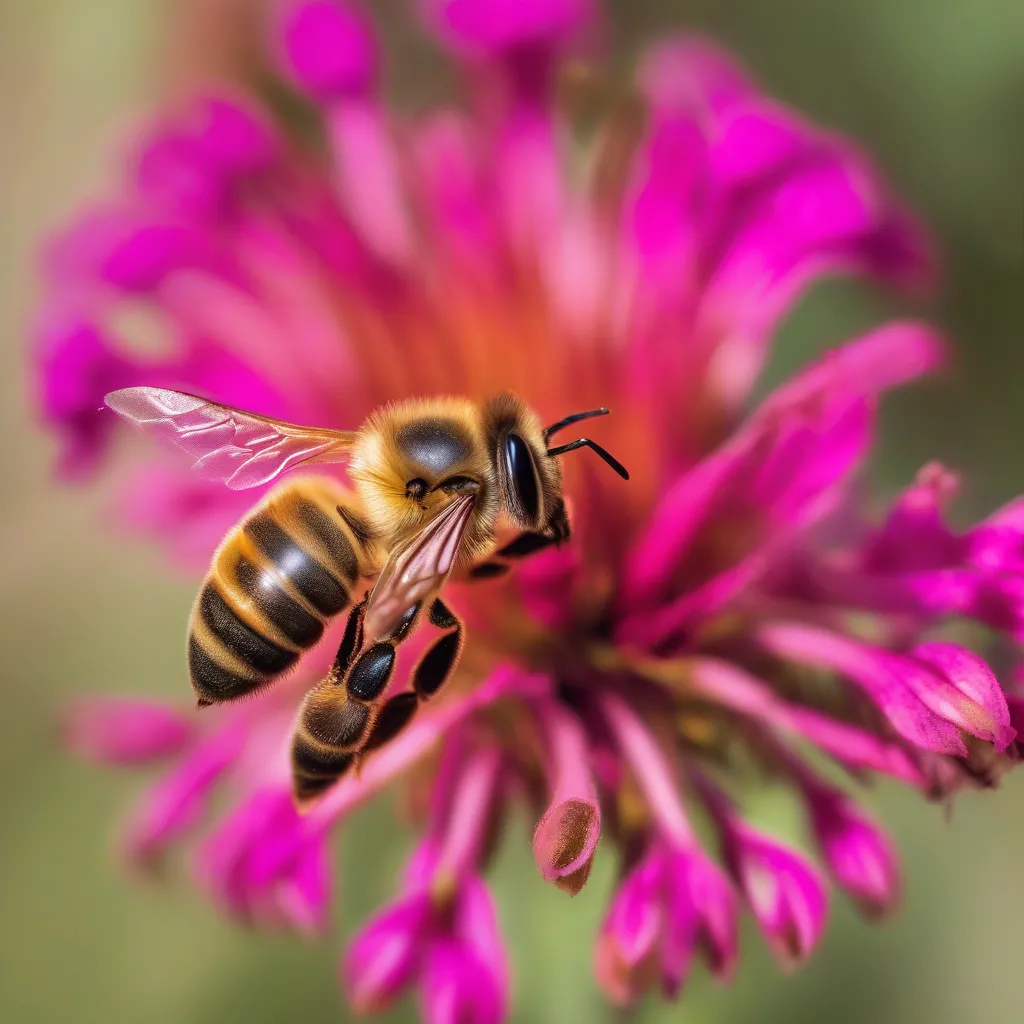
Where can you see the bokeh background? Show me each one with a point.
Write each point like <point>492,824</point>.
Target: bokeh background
<point>935,88</point>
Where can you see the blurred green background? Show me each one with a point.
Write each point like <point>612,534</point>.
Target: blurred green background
<point>935,88</point>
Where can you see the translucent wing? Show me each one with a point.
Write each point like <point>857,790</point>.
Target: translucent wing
<point>418,570</point>
<point>238,448</point>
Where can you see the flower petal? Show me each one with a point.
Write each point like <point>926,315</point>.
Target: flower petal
<point>126,731</point>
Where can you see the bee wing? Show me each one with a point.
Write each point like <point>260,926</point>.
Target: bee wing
<point>238,448</point>
<point>417,570</point>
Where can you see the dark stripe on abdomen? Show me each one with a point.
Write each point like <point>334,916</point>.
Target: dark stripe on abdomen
<point>264,589</point>
<point>211,681</point>
<point>316,761</point>
<point>329,533</point>
<point>239,638</point>
<point>299,567</point>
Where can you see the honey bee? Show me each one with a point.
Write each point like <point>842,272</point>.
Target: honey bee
<point>432,480</point>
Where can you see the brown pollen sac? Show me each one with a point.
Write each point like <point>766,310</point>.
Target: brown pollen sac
<point>564,843</point>
<point>574,826</point>
<point>573,884</point>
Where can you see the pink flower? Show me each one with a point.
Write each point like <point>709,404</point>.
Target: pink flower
<point>441,935</point>
<point>731,595</point>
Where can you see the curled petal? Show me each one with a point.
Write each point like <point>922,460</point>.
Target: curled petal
<point>626,955</point>
<point>634,920</point>
<point>175,804</point>
<point>123,731</point>
<point>700,910</point>
<point>304,895</point>
<point>785,892</point>
<point>980,706</point>
<point>915,536</point>
<point>476,925</point>
<point>384,956</point>
<point>897,686</point>
<point>859,855</point>
<point>852,746</point>
<point>263,865</point>
<point>566,836</point>
<point>458,987</point>
<point>778,469</point>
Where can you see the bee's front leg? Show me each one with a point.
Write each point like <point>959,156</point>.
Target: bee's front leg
<point>529,542</point>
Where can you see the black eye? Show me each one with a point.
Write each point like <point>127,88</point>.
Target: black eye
<point>523,477</point>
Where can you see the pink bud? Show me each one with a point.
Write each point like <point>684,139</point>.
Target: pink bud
<point>786,893</point>
<point>971,696</point>
<point>859,855</point>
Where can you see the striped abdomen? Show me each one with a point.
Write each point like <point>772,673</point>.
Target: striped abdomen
<point>275,582</point>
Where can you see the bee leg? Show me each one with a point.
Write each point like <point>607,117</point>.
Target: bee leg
<point>351,640</point>
<point>529,542</point>
<point>393,718</point>
<point>438,663</point>
<point>340,715</point>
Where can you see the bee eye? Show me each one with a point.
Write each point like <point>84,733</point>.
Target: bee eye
<point>522,476</point>
<point>416,489</point>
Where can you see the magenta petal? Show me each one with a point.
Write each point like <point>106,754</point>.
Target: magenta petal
<point>804,437</point>
<point>458,988</point>
<point>688,73</point>
<point>76,366</point>
<point>384,955</point>
<point>232,134</point>
<point>981,707</point>
<point>450,158</point>
<point>896,685</point>
<point>915,535</point>
<point>476,925</point>
<point>123,731</point>
<point>328,48</point>
<point>634,919</point>
<point>854,747</point>
<point>700,908</point>
<point>175,804</point>
<point>756,139</point>
<point>784,891</point>
<point>547,586</point>
<point>304,895</point>
<point>493,27</point>
<point>859,855</point>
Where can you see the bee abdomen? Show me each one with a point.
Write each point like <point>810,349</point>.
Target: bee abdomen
<point>268,594</point>
<point>259,652</point>
<point>303,570</point>
<point>212,681</point>
<point>277,580</point>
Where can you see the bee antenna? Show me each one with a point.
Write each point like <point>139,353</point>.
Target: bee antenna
<point>585,442</point>
<point>574,418</point>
